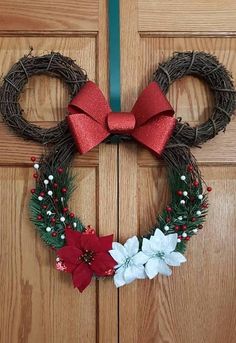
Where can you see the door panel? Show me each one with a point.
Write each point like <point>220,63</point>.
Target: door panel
<point>197,303</point>
<point>44,15</point>
<point>38,303</point>
<point>186,16</point>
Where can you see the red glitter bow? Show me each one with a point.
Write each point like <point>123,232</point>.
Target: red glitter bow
<point>91,120</point>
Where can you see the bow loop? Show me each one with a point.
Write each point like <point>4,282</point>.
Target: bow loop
<point>150,103</point>
<point>91,120</point>
<point>91,101</point>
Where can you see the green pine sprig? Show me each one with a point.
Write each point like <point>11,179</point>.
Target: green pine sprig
<point>50,213</point>
<point>187,210</point>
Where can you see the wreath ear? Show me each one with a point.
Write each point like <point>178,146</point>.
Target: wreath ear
<point>53,64</point>
<point>218,78</point>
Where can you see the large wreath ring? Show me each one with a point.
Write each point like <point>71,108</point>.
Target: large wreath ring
<point>78,249</point>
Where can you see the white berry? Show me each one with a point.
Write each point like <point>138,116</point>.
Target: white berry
<point>74,225</point>
<point>62,219</point>
<point>48,229</point>
<point>40,198</point>
<point>166,227</point>
<point>199,213</point>
<point>185,193</point>
<point>182,202</point>
<point>200,196</point>
<point>195,230</point>
<point>46,182</point>
<point>180,218</point>
<point>50,177</point>
<point>178,240</point>
<point>49,213</point>
<point>62,236</point>
<point>184,234</point>
<point>50,193</point>
<point>58,259</point>
<point>183,177</point>
<point>36,166</point>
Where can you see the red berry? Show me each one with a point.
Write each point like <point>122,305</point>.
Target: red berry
<point>196,183</point>
<point>56,200</point>
<point>179,193</point>
<point>168,219</point>
<point>55,185</point>
<point>193,219</point>
<point>60,170</point>
<point>168,209</point>
<point>53,220</point>
<point>65,209</point>
<point>39,217</point>
<point>33,158</point>
<point>190,168</point>
<point>200,226</point>
<point>35,176</point>
<point>180,237</point>
<point>176,227</point>
<point>68,226</point>
<point>32,190</point>
<point>90,230</point>
<point>204,205</point>
<point>187,238</point>
<point>44,207</point>
<point>64,190</point>
<point>209,189</point>
<point>192,199</point>
<point>184,227</point>
<point>54,234</point>
<point>72,215</point>
<point>42,194</point>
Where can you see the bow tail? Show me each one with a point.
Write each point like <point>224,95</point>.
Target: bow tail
<point>155,134</point>
<point>86,131</point>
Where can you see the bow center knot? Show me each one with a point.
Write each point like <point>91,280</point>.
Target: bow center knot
<point>121,122</point>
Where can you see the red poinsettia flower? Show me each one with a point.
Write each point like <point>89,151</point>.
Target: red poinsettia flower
<point>84,255</point>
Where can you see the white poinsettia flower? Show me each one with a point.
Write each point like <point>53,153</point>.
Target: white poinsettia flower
<point>130,261</point>
<point>160,250</point>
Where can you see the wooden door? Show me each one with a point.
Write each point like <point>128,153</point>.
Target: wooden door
<point>38,304</point>
<point>120,189</point>
<point>197,304</point>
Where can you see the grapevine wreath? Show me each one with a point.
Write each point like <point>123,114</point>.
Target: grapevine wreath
<point>79,250</point>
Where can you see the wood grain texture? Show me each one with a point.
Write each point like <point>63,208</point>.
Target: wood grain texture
<point>184,15</point>
<point>202,291</point>
<point>128,215</point>
<point>128,227</point>
<point>107,224</point>
<point>197,304</point>
<point>16,151</point>
<point>54,15</point>
<point>39,304</point>
<point>129,57</point>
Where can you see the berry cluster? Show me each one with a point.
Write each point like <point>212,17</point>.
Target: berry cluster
<point>49,206</point>
<point>188,208</point>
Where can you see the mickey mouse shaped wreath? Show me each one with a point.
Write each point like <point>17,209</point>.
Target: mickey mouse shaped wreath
<point>79,250</point>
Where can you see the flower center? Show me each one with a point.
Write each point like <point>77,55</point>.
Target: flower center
<point>88,256</point>
<point>160,254</point>
<point>128,261</point>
